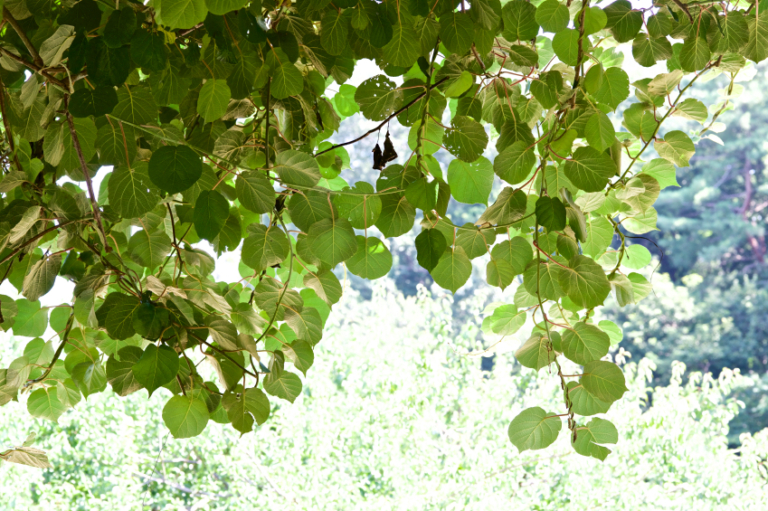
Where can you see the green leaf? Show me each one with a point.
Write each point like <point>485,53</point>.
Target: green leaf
<point>325,284</point>
<point>641,223</point>
<point>332,241</point>
<point>662,171</point>
<point>552,16</point>
<point>623,21</point>
<point>300,353</point>
<point>534,428</point>
<point>283,384</point>
<point>599,236</point>
<point>257,404</point>
<point>361,206</point>
<point>287,81</point>
<point>452,270</point>
<point>107,66</point>
<point>692,109</point>
<point>516,251</point>
<point>334,31</point>
<point>566,46</point>
<point>536,353</point>
<point>297,169</point>
<point>636,257</point>
<point>255,192</point>
<point>135,105</point>
<point>120,373</point>
<point>372,260</point>
<point>378,97</point>
<point>150,320</point>
<point>584,282</point>
<point>510,206</point>
<point>115,144</point>
<point>486,13</point>
<point>175,168</point>
<point>31,320</point>
<point>423,193</point>
<point>736,32</point>
<point>156,367</point>
<point>647,51</point>
<point>52,49</point>
<point>430,247</point>
<point>185,417</point>
<point>397,216</point>
<point>505,320</point>
<point>459,86</point>
<point>265,247</point>
<point>499,273</point>
<point>597,431</point>
<point>149,51</point>
<point>100,101</point>
<point>41,277</point>
<point>149,249</point>
<point>183,13</point>
<point>519,21</point>
<point>514,163</point>
<point>223,333</point>
<point>595,20</point>
<point>583,403</point>
<point>550,213</point>
<point>599,131</point>
<point>403,49</point>
<point>694,54</point>
<point>676,147</point>
<point>545,277</point>
<point>213,100</point>
<point>120,27</point>
<point>90,378</point>
<point>604,381</point>
<point>585,343</point>
<point>466,140</point>
<point>590,169</point>
<point>210,214</point>
<point>757,42</point>
<point>222,7</point>
<point>471,183</point>
<point>307,324</point>
<point>522,55</point>
<point>614,87</point>
<point>456,32</point>
<point>45,403</point>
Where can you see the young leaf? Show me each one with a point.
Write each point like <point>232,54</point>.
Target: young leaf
<point>534,428</point>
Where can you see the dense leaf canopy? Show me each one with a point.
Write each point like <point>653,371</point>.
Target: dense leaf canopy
<point>213,122</point>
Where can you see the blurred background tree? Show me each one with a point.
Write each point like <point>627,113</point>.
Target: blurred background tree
<point>399,415</point>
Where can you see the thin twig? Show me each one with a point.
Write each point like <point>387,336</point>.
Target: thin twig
<point>7,125</point>
<point>384,122</point>
<point>59,350</point>
<point>84,166</point>
<point>23,36</point>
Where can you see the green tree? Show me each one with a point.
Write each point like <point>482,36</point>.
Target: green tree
<point>216,118</point>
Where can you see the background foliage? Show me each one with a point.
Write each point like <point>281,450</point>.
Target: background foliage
<point>424,429</point>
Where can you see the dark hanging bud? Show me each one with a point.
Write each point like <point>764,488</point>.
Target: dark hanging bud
<point>378,164</point>
<point>389,151</point>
